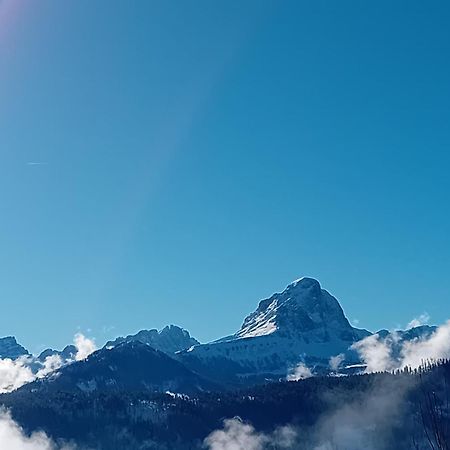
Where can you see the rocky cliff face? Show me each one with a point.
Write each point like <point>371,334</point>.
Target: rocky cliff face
<point>303,311</point>
<point>169,340</point>
<point>9,348</point>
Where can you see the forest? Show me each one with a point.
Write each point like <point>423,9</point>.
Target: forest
<point>408,409</point>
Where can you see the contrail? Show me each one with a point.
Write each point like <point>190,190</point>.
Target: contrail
<point>36,163</point>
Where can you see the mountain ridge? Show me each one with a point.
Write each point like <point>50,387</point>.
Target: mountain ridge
<point>132,366</point>
<point>169,339</point>
<point>302,324</point>
<point>10,348</point>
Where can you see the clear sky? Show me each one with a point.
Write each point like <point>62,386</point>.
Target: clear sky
<point>175,162</point>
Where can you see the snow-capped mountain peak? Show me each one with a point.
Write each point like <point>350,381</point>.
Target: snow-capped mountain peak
<point>302,324</point>
<point>302,309</point>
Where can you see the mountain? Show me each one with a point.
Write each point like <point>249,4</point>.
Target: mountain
<point>396,340</point>
<point>379,411</point>
<point>302,311</point>
<point>67,354</point>
<point>303,323</point>
<point>129,366</point>
<point>169,340</point>
<point>400,336</point>
<point>9,348</point>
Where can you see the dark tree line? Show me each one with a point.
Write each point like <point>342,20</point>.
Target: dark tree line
<point>143,420</point>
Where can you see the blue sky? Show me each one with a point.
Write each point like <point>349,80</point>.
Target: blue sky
<point>198,156</point>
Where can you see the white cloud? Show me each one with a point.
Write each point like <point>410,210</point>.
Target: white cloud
<point>365,420</point>
<point>51,363</point>
<point>379,355</point>
<point>336,361</point>
<point>84,346</point>
<point>364,423</point>
<point>423,319</point>
<point>237,435</point>
<point>300,372</point>
<point>436,347</point>
<point>12,437</point>
<point>14,374</point>
<point>376,353</point>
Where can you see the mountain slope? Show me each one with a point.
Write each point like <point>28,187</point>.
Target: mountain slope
<point>382,410</point>
<point>130,366</point>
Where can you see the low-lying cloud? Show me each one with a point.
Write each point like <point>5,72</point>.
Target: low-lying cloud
<point>423,319</point>
<point>13,437</point>
<point>299,372</point>
<point>51,363</point>
<point>84,345</point>
<point>336,361</point>
<point>25,369</point>
<point>387,354</point>
<point>14,374</point>
<point>364,422</point>
<point>238,435</point>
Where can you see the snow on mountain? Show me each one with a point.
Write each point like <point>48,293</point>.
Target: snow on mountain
<point>9,348</point>
<point>169,340</point>
<point>304,311</point>
<point>302,326</point>
<point>304,323</point>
